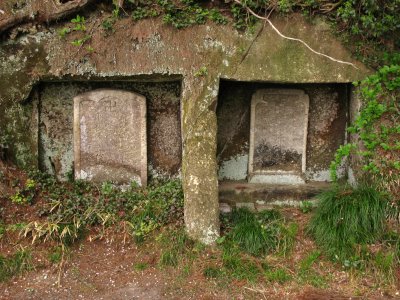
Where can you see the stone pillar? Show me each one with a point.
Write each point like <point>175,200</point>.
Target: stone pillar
<point>199,164</point>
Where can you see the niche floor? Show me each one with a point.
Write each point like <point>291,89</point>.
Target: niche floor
<point>257,196</point>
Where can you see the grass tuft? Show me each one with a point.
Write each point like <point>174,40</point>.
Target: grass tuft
<point>261,233</point>
<point>175,245</point>
<point>19,262</point>
<point>347,217</point>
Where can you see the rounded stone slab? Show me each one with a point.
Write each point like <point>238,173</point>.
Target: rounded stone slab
<point>110,136</point>
<point>278,136</point>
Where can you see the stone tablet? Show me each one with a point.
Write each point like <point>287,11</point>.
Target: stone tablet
<point>278,136</point>
<point>110,136</point>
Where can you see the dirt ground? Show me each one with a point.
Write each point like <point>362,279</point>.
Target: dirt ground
<point>107,268</point>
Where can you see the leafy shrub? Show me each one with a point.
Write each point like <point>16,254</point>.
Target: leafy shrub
<point>72,208</point>
<point>378,129</point>
<point>347,217</point>
<point>26,195</point>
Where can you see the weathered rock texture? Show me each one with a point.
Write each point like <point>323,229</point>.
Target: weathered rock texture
<point>151,51</point>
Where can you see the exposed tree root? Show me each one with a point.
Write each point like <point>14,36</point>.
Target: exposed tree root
<point>38,11</point>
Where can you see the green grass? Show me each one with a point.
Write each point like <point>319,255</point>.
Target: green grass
<point>16,264</point>
<point>176,246</point>
<point>347,217</point>
<point>307,275</point>
<point>277,275</point>
<point>213,272</point>
<point>140,266</point>
<point>260,233</point>
<point>236,266</point>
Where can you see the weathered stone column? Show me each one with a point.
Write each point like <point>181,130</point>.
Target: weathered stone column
<point>199,165</point>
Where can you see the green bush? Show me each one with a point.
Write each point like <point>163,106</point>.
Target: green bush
<point>347,217</point>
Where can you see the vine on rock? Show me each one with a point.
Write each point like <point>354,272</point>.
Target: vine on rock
<point>378,128</point>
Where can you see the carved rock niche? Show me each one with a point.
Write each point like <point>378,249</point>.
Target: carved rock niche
<point>110,136</point>
<point>278,136</point>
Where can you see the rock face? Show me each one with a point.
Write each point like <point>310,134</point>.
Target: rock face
<point>110,140</point>
<point>149,51</point>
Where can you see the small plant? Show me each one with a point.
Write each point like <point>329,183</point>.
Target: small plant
<point>107,24</point>
<point>213,272</point>
<point>71,208</point>
<point>144,12</point>
<point>19,262</point>
<point>26,195</point>
<point>56,254</point>
<point>258,234</point>
<point>141,266</point>
<point>237,267</point>
<point>80,42</point>
<point>346,217</point>
<point>201,72</point>
<point>64,31</point>
<point>277,275</point>
<point>384,265</point>
<point>306,206</point>
<point>176,245</point>
<point>2,230</point>
<point>79,22</point>
<point>307,275</point>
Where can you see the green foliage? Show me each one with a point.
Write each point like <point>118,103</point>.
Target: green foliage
<point>3,230</point>
<point>201,72</point>
<point>80,42</point>
<point>258,234</point>
<point>78,25</point>
<point>72,208</point>
<point>378,129</point>
<point>342,152</point>
<point>79,22</point>
<point>140,266</point>
<point>64,31</point>
<point>176,244</point>
<point>189,13</point>
<point>306,273</point>
<point>56,254</point>
<point>143,13</point>
<point>384,264</point>
<point>277,275</point>
<point>242,20</point>
<point>306,206</point>
<point>213,272</point>
<point>347,217</point>
<point>370,19</point>
<point>236,266</point>
<point>19,262</point>
<point>26,194</point>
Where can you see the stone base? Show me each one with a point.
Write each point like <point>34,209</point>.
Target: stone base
<point>266,196</point>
